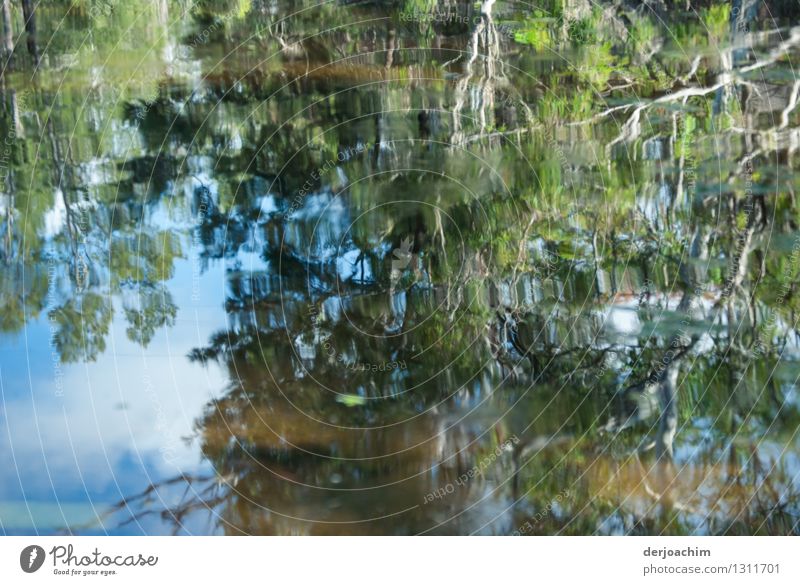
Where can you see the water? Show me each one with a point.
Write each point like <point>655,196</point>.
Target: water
<point>396,268</point>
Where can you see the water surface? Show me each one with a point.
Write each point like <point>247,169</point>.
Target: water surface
<point>400,267</point>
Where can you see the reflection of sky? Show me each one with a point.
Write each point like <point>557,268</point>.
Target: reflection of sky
<point>121,420</point>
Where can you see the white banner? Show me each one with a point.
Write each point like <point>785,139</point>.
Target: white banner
<point>401,560</point>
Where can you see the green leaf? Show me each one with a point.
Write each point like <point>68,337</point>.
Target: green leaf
<point>351,400</point>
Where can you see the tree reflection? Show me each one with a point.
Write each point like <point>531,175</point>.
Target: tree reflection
<point>596,259</point>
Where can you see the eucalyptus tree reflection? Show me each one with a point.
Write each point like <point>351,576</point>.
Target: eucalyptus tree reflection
<point>664,352</point>
<point>63,213</point>
<point>440,234</point>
